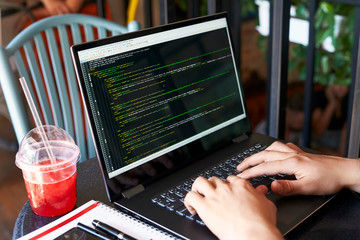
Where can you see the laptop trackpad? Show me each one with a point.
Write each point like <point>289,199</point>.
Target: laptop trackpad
<point>293,210</point>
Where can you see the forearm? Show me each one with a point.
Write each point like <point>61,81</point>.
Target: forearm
<point>322,118</point>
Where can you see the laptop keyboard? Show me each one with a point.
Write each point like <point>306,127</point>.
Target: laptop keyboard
<point>173,199</point>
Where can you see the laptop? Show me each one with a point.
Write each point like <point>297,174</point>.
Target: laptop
<point>165,104</point>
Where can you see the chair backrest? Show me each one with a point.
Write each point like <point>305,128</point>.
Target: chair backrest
<point>41,53</point>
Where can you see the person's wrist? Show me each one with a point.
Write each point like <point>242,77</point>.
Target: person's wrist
<point>353,179</point>
<point>262,231</point>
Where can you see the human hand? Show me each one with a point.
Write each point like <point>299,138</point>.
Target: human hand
<point>233,209</point>
<point>336,92</point>
<point>330,94</point>
<point>56,7</point>
<point>315,174</point>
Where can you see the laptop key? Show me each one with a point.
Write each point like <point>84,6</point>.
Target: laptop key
<point>199,221</point>
<point>253,182</point>
<point>190,216</point>
<point>175,205</point>
<point>182,211</point>
<point>257,179</point>
<point>265,181</point>
<point>221,173</point>
<point>232,163</point>
<point>227,169</point>
<point>180,192</point>
<point>188,183</point>
<point>258,146</point>
<point>273,178</point>
<point>155,199</point>
<point>187,188</point>
<point>163,202</point>
<point>171,197</point>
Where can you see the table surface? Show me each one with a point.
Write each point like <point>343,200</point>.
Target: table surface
<point>337,220</point>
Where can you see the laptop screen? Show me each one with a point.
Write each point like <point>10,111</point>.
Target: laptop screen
<point>159,91</point>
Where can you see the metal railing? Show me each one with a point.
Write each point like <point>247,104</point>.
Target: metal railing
<point>278,72</point>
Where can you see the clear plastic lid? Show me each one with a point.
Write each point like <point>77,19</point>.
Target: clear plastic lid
<point>33,154</point>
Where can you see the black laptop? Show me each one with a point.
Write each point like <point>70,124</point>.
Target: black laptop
<point>166,105</point>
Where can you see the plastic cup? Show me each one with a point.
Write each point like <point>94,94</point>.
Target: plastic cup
<point>50,185</point>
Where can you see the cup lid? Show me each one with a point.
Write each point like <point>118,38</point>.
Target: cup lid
<point>33,153</point>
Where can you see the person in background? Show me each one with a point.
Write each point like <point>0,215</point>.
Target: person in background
<point>58,7</point>
<point>233,209</point>
<point>46,8</point>
<point>329,119</point>
<point>294,116</point>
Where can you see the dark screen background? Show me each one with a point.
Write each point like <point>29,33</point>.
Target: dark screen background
<point>154,97</point>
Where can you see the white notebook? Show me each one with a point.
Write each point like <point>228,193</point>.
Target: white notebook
<point>104,213</point>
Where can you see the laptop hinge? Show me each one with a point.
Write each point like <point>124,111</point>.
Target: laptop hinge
<point>133,191</point>
<point>240,138</point>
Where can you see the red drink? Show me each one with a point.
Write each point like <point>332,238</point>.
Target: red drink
<point>52,199</point>
<point>55,194</point>
<point>50,184</point>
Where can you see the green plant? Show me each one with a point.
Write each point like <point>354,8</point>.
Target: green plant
<point>330,67</point>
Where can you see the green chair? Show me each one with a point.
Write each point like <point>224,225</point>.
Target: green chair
<point>41,54</point>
